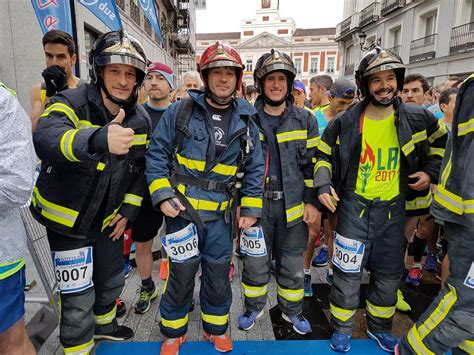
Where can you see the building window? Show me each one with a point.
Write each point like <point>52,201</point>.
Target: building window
<point>314,65</point>
<point>248,65</point>
<point>135,12</point>
<point>147,26</point>
<point>331,65</point>
<point>283,32</point>
<point>430,24</point>
<point>298,65</point>
<point>248,33</point>
<point>265,18</point>
<point>90,37</point>
<point>120,4</point>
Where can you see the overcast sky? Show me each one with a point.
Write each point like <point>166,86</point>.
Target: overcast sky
<point>225,15</point>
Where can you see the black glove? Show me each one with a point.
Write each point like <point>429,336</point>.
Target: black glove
<point>55,79</point>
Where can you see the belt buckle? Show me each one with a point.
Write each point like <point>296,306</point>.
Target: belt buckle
<point>212,185</point>
<point>277,195</point>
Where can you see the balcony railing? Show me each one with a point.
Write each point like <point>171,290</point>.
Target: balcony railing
<point>389,6</point>
<point>135,12</point>
<point>462,38</point>
<point>120,4</point>
<point>370,14</point>
<point>423,48</point>
<point>397,49</point>
<point>147,26</point>
<point>347,26</point>
<point>349,69</point>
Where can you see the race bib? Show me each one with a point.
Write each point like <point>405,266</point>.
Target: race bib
<point>469,282</point>
<point>348,253</point>
<point>252,242</point>
<point>73,269</point>
<point>183,244</point>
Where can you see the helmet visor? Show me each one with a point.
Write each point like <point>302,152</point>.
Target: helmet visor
<point>127,59</point>
<point>221,63</point>
<point>277,66</point>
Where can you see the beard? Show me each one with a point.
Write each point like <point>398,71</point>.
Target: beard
<point>157,95</point>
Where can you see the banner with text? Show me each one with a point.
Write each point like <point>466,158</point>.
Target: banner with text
<point>149,9</point>
<point>106,11</point>
<point>53,15</point>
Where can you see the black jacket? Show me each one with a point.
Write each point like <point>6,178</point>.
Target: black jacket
<point>79,179</point>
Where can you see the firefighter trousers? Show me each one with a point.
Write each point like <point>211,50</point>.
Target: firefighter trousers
<point>369,235</point>
<point>448,323</point>
<point>287,245</point>
<point>215,251</point>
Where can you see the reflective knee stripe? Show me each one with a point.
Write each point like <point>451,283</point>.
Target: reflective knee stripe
<point>467,346</point>
<point>466,127</point>
<point>325,148</point>
<point>139,139</point>
<point>66,145</point>
<point>291,295</point>
<point>419,202</point>
<point>83,349</point>
<point>379,311</point>
<point>322,163</point>
<point>416,343</point>
<point>341,313</point>
<point>292,136</point>
<point>313,142</point>
<point>294,213</point>
<point>255,202</point>
<point>216,320</point>
<point>133,200</point>
<point>175,323</point>
<point>54,212</point>
<point>159,184</point>
<point>109,218</point>
<point>68,111</point>
<point>254,291</point>
<point>106,318</point>
<point>440,312</point>
<point>309,183</point>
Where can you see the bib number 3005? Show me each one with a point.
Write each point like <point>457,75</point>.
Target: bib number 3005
<point>348,253</point>
<point>73,269</point>
<point>183,244</point>
<point>252,242</point>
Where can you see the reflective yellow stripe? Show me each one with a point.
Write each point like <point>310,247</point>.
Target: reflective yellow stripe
<point>66,145</point>
<point>419,202</point>
<point>12,270</point>
<point>417,344</point>
<point>441,131</point>
<point>439,313</point>
<point>379,311</point>
<point>467,346</point>
<point>110,218</point>
<point>255,202</point>
<point>446,172</point>
<point>176,323</point>
<point>436,151</point>
<point>133,200</point>
<point>83,349</point>
<point>466,127</point>
<point>222,169</point>
<point>13,93</point>
<point>139,139</point>
<point>292,136</point>
<point>341,313</point>
<point>291,295</point>
<point>54,212</point>
<point>322,163</point>
<point>261,136</point>
<point>449,200</point>
<point>190,163</point>
<point>100,166</point>
<point>68,111</point>
<point>106,318</point>
<point>313,142</point>
<point>87,124</point>
<point>254,291</point>
<point>468,206</point>
<point>324,147</point>
<point>216,320</point>
<point>205,205</point>
<point>295,212</point>
<point>309,183</point>
<point>408,148</point>
<point>159,184</point>
<point>419,136</point>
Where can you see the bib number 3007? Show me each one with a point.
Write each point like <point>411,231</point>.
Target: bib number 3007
<point>73,269</point>
<point>348,253</point>
<point>183,244</point>
<point>252,242</point>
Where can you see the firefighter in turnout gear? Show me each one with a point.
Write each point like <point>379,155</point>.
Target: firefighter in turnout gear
<point>289,136</point>
<point>448,324</point>
<point>196,152</point>
<point>370,192</point>
<point>92,142</point>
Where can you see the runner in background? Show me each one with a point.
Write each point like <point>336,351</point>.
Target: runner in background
<point>318,91</point>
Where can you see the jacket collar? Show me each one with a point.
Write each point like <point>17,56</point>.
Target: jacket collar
<point>243,107</point>
<point>259,105</point>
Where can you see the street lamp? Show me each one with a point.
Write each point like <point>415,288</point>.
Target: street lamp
<point>363,47</point>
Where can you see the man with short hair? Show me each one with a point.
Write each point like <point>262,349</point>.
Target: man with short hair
<point>60,54</point>
<point>447,101</point>
<point>381,142</point>
<point>92,142</point>
<point>415,89</point>
<point>191,80</point>
<point>318,91</point>
<point>299,94</point>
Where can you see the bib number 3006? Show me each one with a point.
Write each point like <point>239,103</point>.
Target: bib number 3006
<point>348,253</point>
<point>183,244</point>
<point>73,269</point>
<point>252,242</point>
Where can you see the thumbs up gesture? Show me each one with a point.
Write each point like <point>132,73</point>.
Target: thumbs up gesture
<point>119,138</point>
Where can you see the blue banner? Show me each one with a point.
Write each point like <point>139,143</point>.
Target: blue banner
<point>148,7</point>
<point>106,11</point>
<point>53,15</point>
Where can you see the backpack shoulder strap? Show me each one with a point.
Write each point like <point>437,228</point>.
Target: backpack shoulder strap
<point>183,116</point>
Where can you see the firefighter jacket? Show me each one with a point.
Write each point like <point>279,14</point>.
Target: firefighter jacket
<point>454,196</point>
<point>297,138</point>
<point>422,141</point>
<point>197,159</point>
<point>75,178</point>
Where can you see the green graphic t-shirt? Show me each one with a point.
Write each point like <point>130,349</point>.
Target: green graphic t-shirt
<point>379,164</point>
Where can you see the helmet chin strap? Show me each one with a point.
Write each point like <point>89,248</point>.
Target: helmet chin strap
<point>126,104</point>
<point>272,102</point>
<point>217,101</point>
<point>383,103</point>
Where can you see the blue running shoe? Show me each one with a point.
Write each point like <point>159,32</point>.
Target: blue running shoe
<point>127,269</point>
<point>430,263</point>
<point>385,340</point>
<point>414,276</point>
<point>321,259</point>
<point>340,342</point>
<point>300,323</point>
<point>308,287</point>
<point>247,319</point>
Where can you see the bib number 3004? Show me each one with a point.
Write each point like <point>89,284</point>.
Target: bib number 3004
<point>348,253</point>
<point>183,244</point>
<point>73,269</point>
<point>252,242</point>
